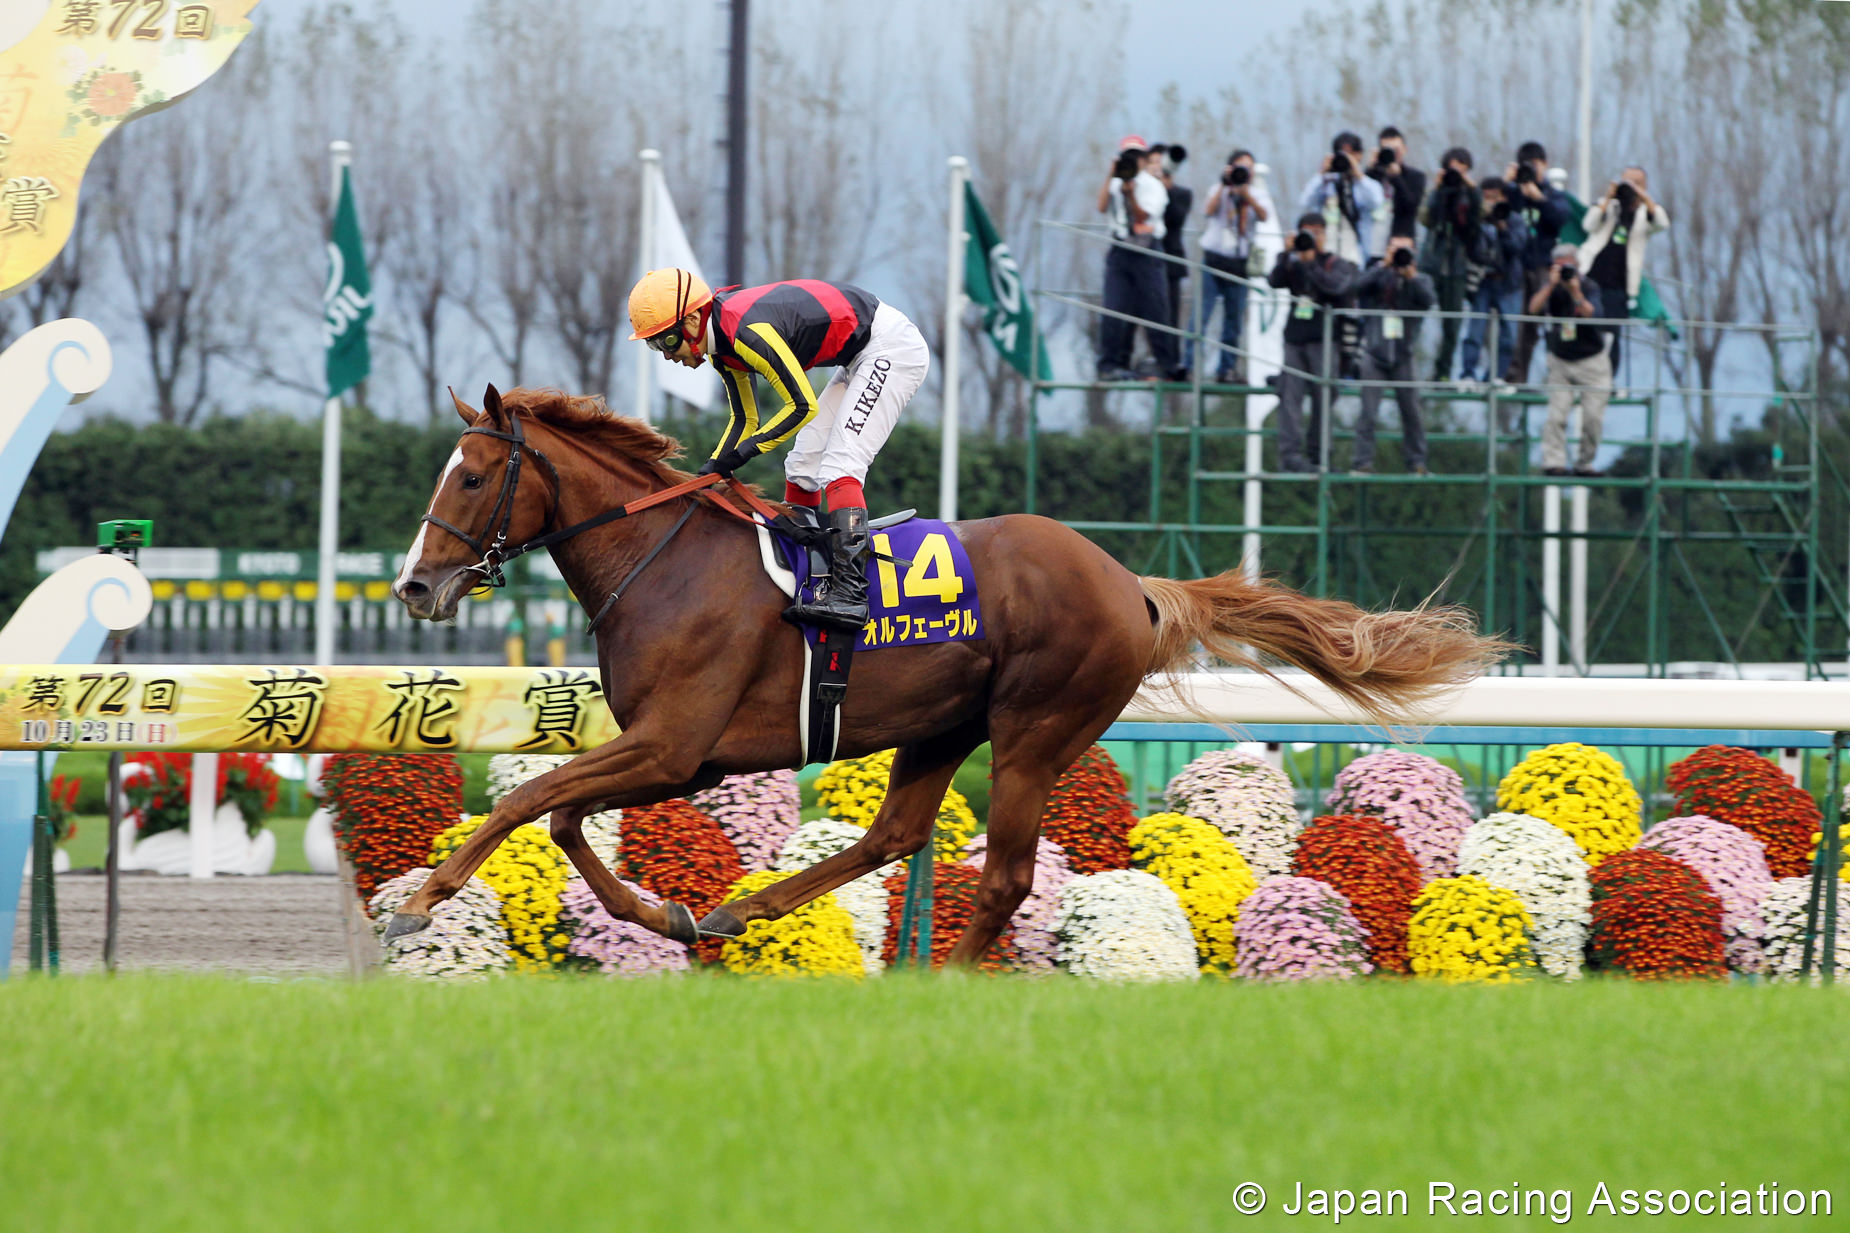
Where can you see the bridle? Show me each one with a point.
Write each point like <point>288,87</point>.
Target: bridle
<point>496,552</point>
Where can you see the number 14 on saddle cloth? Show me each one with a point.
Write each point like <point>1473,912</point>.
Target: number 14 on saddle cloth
<point>932,599</point>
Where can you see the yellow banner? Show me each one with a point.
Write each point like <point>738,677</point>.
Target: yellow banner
<point>88,67</point>
<point>205,708</point>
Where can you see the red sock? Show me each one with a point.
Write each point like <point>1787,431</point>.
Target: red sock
<point>793,495</point>
<point>845,493</point>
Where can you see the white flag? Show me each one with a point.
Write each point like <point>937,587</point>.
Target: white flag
<point>669,247</point>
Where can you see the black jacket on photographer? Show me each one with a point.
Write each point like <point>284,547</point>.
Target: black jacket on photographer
<point>1544,218</point>
<point>1405,192</point>
<point>1315,285</point>
<point>1571,336</point>
<point>1387,336</point>
<point>1454,239</point>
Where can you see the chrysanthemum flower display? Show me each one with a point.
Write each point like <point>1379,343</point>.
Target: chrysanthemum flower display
<point>611,946</point>
<point>1546,870</point>
<point>864,899</point>
<point>1208,875</point>
<point>680,854</point>
<point>1743,789</point>
<point>1655,918</point>
<point>1365,861</point>
<point>528,871</point>
<point>757,812</point>
<point>853,791</point>
<point>817,939</point>
<point>1421,798</point>
<point>1783,909</point>
<point>508,771</point>
<point>1843,846</point>
<point>1466,929</point>
<point>1300,929</point>
<point>1089,814</point>
<point>1252,803</point>
<point>465,939</point>
<point>1733,864</point>
<point>1037,948</point>
<point>387,808</point>
<point>1124,924</point>
<point>1580,789</point>
<point>953,901</point>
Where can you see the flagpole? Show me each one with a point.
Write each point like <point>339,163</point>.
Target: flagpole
<point>340,157</point>
<point>645,250</point>
<point>953,344</point>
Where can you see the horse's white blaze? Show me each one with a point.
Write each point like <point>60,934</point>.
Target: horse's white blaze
<point>416,554</point>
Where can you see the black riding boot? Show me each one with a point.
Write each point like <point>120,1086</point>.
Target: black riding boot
<point>841,598</point>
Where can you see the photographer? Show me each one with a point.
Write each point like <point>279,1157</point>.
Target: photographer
<point>1452,212</point>
<point>1175,218</point>
<point>1618,226</point>
<point>1544,211</point>
<point>1317,280</point>
<point>1577,361</point>
<point>1234,211</point>
<point>1134,199</point>
<point>1500,289</point>
<point>1405,186</point>
<point>1393,286</point>
<point>1346,198</point>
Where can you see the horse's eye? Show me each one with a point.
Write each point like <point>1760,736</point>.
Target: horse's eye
<point>472,481</point>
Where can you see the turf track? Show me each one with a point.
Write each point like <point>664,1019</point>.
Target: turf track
<point>674,1106</point>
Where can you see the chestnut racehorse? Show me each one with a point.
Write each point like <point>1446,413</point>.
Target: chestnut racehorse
<point>702,674</point>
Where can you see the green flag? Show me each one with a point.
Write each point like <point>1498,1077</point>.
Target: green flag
<point>992,279</point>
<point>348,301</point>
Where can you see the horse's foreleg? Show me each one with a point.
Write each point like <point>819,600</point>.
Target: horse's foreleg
<point>618,900</point>
<point>921,773</point>
<point>635,769</point>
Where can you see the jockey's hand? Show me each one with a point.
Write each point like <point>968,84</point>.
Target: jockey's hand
<point>725,462</point>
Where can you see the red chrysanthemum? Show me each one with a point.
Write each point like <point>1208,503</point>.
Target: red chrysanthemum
<point>1367,862</point>
<point>1654,918</point>
<point>1089,814</point>
<point>953,901</point>
<point>681,854</point>
<point>387,808</point>
<point>1741,788</point>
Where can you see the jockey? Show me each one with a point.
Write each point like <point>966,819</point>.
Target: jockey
<point>778,331</point>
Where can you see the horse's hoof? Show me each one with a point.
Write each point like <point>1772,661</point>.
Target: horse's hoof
<point>403,924</point>
<point>681,923</point>
<point>719,923</point>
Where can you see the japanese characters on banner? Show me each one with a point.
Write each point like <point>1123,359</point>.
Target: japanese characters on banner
<point>205,708</point>
<point>87,67</point>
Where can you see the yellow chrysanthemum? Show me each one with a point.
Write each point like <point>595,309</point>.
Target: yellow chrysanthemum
<point>816,939</point>
<point>1197,861</point>
<point>529,872</point>
<point>1843,844</point>
<point>1580,789</point>
<point>1467,929</point>
<point>854,789</point>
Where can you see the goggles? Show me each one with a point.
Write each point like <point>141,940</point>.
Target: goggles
<point>666,342</point>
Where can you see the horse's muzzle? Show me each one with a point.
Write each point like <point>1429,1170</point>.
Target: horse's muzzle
<point>426,603</point>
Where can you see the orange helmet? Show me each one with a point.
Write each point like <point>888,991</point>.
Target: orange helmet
<point>663,297</point>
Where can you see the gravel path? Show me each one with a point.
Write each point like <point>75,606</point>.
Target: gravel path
<point>286,924</point>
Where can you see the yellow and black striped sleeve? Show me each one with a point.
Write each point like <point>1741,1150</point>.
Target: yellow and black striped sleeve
<point>769,355</point>
<point>742,407</point>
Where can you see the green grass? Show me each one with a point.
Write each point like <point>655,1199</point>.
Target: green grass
<point>906,1103</point>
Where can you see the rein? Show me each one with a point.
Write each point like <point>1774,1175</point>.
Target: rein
<point>497,553</point>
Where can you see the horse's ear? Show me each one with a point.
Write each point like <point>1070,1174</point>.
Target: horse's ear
<point>469,414</point>
<point>491,403</point>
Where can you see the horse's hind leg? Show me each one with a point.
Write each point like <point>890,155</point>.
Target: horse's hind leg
<point>921,773</point>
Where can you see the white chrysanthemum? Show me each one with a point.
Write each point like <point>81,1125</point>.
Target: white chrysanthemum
<point>1252,803</point>
<point>1541,865</point>
<point>465,939</point>
<point>1124,924</point>
<point>508,771</point>
<point>1782,909</point>
<point>864,899</point>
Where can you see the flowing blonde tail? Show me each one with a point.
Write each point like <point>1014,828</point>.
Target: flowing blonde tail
<point>1390,665</point>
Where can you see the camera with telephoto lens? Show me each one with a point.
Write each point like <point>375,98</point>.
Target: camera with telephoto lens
<point>1627,197</point>
<point>1385,157</point>
<point>1233,177</point>
<point>1501,211</point>
<point>1402,258</point>
<point>1569,273</point>
<point>1305,242</point>
<point>1525,174</point>
<point>1128,164</point>
<point>1452,178</point>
